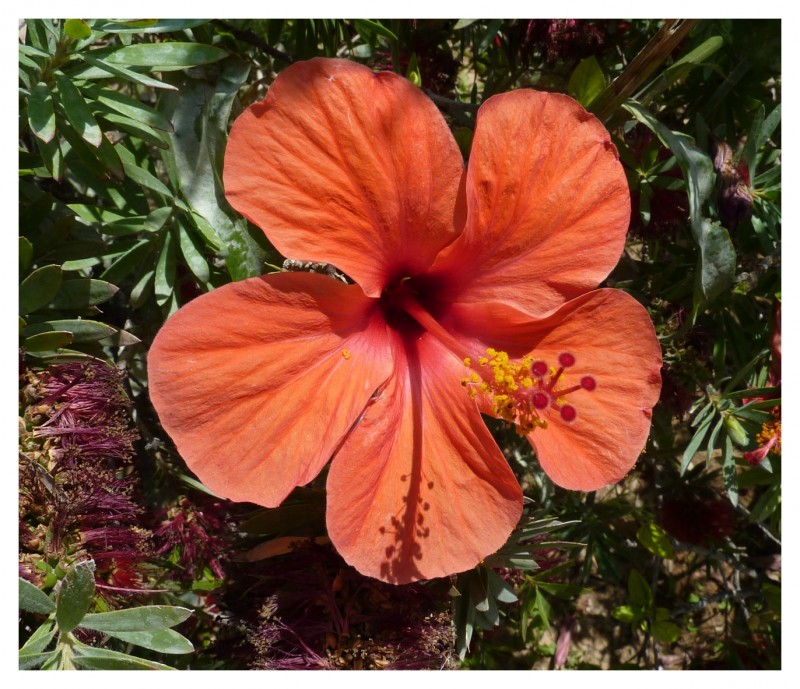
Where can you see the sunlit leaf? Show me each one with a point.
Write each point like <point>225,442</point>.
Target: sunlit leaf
<point>75,595</point>
<point>77,111</point>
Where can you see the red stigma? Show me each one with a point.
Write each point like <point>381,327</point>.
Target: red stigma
<point>568,413</point>
<point>566,360</point>
<point>539,368</point>
<point>588,383</point>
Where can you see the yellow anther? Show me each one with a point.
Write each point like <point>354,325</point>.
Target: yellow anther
<point>467,361</point>
<point>346,353</point>
<point>476,378</point>
<point>483,361</point>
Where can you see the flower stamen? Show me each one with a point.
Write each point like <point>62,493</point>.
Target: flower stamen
<point>521,392</point>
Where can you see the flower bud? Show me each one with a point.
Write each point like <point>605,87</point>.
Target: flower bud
<point>734,200</point>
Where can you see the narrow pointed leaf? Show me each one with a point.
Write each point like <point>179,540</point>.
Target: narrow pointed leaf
<point>200,114</point>
<point>82,330</point>
<point>125,105</point>
<point>41,638</point>
<point>30,661</point>
<point>165,270</point>
<point>48,342</point>
<point>138,129</point>
<point>150,26</point>
<point>123,72</point>
<point>161,640</point>
<point>52,157</point>
<point>90,658</point>
<point>41,116</point>
<point>167,56</point>
<point>122,266</point>
<point>193,256</point>
<point>139,174</point>
<point>81,294</point>
<point>145,618</point>
<point>33,599</point>
<point>77,111</point>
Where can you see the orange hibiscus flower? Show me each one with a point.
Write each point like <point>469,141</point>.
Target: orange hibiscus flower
<point>472,294</point>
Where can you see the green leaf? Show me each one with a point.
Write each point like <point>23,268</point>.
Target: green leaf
<point>772,594</point>
<point>697,168</point>
<point>82,293</point>
<point>717,260</point>
<point>148,26</point>
<point>41,116</point>
<point>120,71</point>
<point>139,174</point>
<point>77,29</point>
<point>142,289</point>
<point>164,284</point>
<point>729,471</point>
<point>25,254</point>
<point>39,288</point>
<point>500,589</point>
<point>587,81</point>
<point>209,234</point>
<point>124,227</point>
<point>736,431</point>
<point>41,638</point>
<point>37,34</point>
<point>81,329</point>
<point>90,658</point>
<point>463,24</point>
<point>157,219</point>
<point>121,267</point>
<point>768,502</point>
<point>491,31</point>
<point>166,56</point>
<point>141,619</point>
<point>75,595</point>
<point>52,157</point>
<point>200,115</point>
<point>367,28</point>
<point>639,591</point>
<point>694,443</point>
<point>666,632</point>
<point>29,661</point>
<point>627,613</point>
<point>161,640</point>
<point>655,539</point>
<point>412,73</point>
<point>193,255</point>
<point>77,111</point>
<point>129,107</point>
<point>681,68</point>
<point>48,342</point>
<point>138,129</point>
<point>33,599</point>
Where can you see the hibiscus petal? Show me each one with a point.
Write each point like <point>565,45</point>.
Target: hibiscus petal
<point>258,381</point>
<point>613,343</point>
<point>342,165</point>
<point>420,489</point>
<point>548,205</point>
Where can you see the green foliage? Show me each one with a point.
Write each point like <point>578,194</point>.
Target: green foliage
<point>147,627</point>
